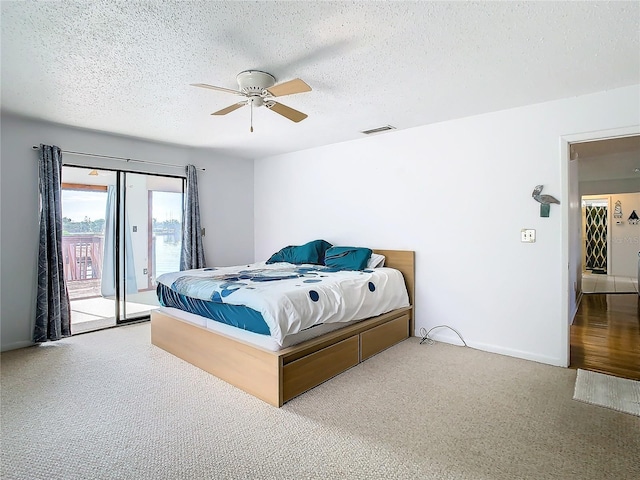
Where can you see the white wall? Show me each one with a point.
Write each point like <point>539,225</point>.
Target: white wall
<point>458,194</point>
<point>628,185</point>
<point>625,238</point>
<point>226,202</point>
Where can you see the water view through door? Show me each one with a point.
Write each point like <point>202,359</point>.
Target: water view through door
<point>121,230</point>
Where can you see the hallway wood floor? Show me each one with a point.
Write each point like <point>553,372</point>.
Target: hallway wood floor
<point>605,335</point>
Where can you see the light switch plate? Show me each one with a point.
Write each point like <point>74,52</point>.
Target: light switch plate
<point>528,235</point>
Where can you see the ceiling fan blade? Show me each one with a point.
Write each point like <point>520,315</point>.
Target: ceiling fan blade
<point>229,109</point>
<point>288,112</point>
<point>287,88</point>
<point>220,89</point>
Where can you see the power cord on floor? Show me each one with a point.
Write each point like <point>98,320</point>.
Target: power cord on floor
<point>430,341</point>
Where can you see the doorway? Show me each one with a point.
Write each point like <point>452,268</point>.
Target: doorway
<point>595,219</point>
<point>603,165</point>
<point>608,244</point>
<point>112,220</point>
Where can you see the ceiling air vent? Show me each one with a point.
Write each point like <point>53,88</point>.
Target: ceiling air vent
<point>378,130</point>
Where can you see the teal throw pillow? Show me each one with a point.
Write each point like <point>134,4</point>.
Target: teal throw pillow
<point>347,258</point>
<point>311,252</point>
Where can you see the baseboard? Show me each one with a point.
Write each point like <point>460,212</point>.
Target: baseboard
<point>16,345</point>
<point>453,339</point>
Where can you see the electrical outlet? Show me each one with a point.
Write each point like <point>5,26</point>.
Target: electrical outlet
<point>145,271</point>
<point>528,235</point>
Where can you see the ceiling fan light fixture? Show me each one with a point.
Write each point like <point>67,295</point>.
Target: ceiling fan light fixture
<point>259,88</point>
<point>254,81</point>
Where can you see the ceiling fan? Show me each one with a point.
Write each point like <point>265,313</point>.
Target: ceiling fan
<point>260,89</point>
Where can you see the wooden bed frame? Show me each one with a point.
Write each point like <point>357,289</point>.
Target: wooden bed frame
<point>277,377</point>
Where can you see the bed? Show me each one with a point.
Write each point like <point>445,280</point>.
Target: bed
<point>277,376</point>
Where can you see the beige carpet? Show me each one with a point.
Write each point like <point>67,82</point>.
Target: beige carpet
<point>608,391</point>
<point>108,405</point>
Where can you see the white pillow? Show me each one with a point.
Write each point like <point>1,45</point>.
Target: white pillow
<point>376,261</point>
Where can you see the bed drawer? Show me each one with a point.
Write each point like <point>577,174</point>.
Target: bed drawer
<point>307,372</point>
<point>383,336</point>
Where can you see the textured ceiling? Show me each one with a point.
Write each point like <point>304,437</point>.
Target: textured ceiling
<point>125,67</point>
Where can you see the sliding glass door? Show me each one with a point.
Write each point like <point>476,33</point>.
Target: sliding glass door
<point>149,240</point>
<point>121,231</point>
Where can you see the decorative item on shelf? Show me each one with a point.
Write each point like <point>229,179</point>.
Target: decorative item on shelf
<point>617,210</point>
<point>545,201</point>
<point>633,218</point>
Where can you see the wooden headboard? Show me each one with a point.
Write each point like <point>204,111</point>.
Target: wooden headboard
<point>403,260</point>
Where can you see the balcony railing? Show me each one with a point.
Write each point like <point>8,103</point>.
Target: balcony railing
<point>82,256</point>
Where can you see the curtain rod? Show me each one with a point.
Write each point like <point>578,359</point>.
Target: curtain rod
<point>35,147</point>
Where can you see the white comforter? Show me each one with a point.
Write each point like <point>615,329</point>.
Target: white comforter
<point>294,297</point>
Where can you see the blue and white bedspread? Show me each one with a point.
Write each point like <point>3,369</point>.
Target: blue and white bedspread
<point>294,297</point>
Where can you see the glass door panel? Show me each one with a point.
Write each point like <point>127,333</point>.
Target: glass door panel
<point>166,235</point>
<point>84,210</point>
<point>121,231</point>
<point>151,226</point>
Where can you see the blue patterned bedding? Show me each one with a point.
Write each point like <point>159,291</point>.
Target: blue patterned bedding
<point>290,297</point>
<point>237,316</point>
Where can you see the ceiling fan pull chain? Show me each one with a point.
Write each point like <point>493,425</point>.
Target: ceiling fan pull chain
<point>251,129</point>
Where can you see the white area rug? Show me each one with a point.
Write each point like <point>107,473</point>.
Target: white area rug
<point>607,391</point>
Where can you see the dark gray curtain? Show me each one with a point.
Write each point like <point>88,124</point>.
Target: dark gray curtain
<point>53,312</point>
<point>192,254</point>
